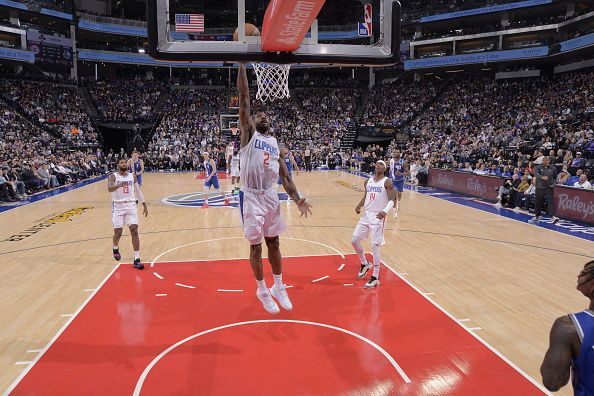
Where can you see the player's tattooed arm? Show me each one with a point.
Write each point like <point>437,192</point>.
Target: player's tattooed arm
<point>246,123</point>
<point>111,184</point>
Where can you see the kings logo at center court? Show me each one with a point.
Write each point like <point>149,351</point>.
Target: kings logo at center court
<point>196,200</point>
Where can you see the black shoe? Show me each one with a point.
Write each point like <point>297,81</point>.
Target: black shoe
<point>372,282</point>
<point>117,255</point>
<point>363,270</point>
<point>138,264</point>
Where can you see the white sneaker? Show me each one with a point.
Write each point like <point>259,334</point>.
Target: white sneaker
<point>372,282</point>
<point>280,293</point>
<point>396,214</point>
<point>517,209</point>
<point>363,270</point>
<point>267,302</point>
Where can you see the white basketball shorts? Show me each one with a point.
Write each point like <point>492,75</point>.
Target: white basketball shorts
<point>124,213</point>
<point>260,214</point>
<point>369,223</point>
<point>234,172</point>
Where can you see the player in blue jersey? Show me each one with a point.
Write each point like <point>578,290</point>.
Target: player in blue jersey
<point>571,347</point>
<point>398,170</point>
<point>291,164</point>
<point>211,180</point>
<point>136,166</point>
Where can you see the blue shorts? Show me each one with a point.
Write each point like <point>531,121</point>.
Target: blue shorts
<point>398,185</point>
<point>213,181</point>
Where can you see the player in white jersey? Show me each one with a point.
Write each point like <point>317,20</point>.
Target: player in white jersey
<point>229,153</point>
<point>235,178</point>
<point>261,162</point>
<point>125,191</point>
<point>378,200</point>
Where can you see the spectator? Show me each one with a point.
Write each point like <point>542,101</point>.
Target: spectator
<point>522,192</point>
<point>574,179</point>
<point>545,175</point>
<point>578,161</point>
<point>583,182</point>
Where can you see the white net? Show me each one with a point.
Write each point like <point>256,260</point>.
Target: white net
<point>273,81</point>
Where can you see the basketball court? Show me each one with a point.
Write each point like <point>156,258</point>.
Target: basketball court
<point>465,305</point>
<point>461,308</point>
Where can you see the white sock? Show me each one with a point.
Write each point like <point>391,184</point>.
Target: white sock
<point>359,250</point>
<point>262,285</point>
<point>376,260</point>
<point>137,254</point>
<point>115,247</point>
<point>278,280</point>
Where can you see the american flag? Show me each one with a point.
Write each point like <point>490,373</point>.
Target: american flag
<point>189,23</point>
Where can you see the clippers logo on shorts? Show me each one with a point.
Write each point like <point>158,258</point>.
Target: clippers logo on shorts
<point>196,200</point>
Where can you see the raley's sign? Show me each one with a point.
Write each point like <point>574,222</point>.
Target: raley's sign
<point>574,203</point>
<point>485,187</point>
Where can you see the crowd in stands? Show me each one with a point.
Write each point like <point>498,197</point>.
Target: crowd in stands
<point>190,126</point>
<point>126,99</point>
<point>462,122</point>
<point>33,160</point>
<point>57,108</point>
<point>391,104</point>
<point>502,128</point>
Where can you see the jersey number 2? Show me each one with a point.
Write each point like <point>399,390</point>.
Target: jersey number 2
<point>266,159</point>
<point>126,188</point>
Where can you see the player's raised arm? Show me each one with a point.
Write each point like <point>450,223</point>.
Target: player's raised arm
<point>246,124</point>
<point>290,188</point>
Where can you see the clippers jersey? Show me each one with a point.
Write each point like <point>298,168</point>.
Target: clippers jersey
<point>124,195</point>
<point>376,197</point>
<point>582,366</point>
<point>259,162</point>
<point>396,166</point>
<point>289,163</point>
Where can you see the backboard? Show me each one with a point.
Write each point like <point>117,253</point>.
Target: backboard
<point>339,32</point>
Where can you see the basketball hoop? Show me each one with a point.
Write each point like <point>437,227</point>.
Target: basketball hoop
<point>273,81</point>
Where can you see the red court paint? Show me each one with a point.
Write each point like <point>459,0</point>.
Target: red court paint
<point>125,326</point>
<point>220,175</point>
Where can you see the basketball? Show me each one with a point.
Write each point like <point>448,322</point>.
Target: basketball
<point>250,30</point>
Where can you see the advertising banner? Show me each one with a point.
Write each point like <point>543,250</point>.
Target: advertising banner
<point>466,183</point>
<point>574,203</point>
